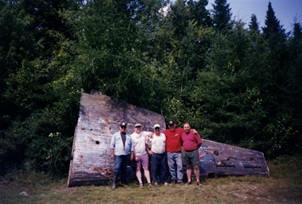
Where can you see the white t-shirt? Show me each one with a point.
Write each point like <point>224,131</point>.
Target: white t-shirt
<point>158,143</point>
<point>139,143</point>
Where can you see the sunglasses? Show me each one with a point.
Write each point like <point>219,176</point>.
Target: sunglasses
<point>123,127</point>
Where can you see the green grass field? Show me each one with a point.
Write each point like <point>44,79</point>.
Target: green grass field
<point>283,186</point>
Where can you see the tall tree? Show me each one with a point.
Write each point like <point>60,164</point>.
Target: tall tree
<point>199,12</point>
<point>180,17</point>
<point>273,31</point>
<point>221,15</point>
<point>39,50</point>
<point>254,24</point>
<point>228,105</point>
<point>112,57</point>
<point>293,89</point>
<point>278,128</point>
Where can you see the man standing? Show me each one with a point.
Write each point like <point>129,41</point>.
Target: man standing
<point>173,149</point>
<point>191,141</point>
<point>120,149</point>
<point>157,141</point>
<point>139,141</point>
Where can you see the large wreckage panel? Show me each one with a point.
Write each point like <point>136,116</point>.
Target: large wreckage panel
<point>221,159</point>
<point>99,118</point>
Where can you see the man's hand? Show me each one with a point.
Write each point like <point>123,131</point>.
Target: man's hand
<point>112,153</point>
<point>131,156</point>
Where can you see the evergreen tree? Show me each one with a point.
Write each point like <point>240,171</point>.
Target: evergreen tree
<point>199,12</point>
<point>254,25</point>
<point>279,115</point>
<point>180,16</point>
<point>227,103</point>
<point>293,88</point>
<point>221,15</point>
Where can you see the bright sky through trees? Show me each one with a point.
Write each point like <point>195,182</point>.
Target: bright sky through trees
<point>286,11</point>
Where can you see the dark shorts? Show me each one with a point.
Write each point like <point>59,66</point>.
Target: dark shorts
<point>190,157</point>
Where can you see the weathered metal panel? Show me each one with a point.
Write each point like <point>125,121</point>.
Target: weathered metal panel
<point>99,118</point>
<point>222,159</point>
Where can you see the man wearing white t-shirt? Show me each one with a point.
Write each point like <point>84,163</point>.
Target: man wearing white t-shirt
<point>141,157</point>
<point>157,141</point>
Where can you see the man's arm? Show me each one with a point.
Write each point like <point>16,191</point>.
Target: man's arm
<point>148,136</point>
<point>198,139</point>
<point>112,146</point>
<point>112,153</point>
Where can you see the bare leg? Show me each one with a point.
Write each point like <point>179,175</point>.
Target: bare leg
<point>139,175</point>
<point>196,172</point>
<point>147,174</point>
<point>189,173</point>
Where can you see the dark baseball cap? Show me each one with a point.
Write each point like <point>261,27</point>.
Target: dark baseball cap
<point>171,122</point>
<point>123,124</point>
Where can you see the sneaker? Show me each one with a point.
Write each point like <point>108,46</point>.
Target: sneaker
<point>165,183</point>
<point>141,185</point>
<point>156,184</point>
<point>197,183</point>
<point>150,185</point>
<point>113,186</point>
<point>189,182</point>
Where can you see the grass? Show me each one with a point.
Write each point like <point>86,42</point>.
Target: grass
<point>284,186</point>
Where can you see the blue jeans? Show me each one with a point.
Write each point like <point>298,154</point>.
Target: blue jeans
<point>175,165</point>
<point>120,166</point>
<point>159,167</point>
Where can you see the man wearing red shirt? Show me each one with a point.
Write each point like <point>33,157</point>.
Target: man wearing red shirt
<point>191,141</point>
<point>173,149</point>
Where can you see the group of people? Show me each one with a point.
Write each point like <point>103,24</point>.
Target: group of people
<point>169,151</point>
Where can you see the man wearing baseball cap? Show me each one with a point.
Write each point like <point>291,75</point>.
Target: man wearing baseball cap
<point>173,148</point>
<point>139,141</point>
<point>121,150</point>
<point>157,150</point>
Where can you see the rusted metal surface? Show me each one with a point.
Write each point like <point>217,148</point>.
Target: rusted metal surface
<point>222,159</point>
<point>99,118</point>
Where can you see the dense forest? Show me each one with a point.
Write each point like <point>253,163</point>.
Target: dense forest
<point>235,83</point>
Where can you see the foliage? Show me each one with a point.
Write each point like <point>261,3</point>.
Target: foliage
<point>221,15</point>
<point>233,84</point>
